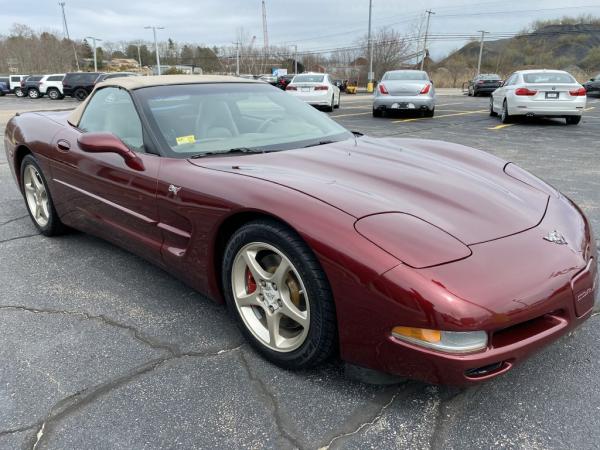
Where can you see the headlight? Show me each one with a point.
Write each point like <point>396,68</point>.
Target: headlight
<point>444,341</point>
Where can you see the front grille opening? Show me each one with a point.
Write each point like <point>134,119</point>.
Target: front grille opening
<point>485,370</point>
<point>525,330</point>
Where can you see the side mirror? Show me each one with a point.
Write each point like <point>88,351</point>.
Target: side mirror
<point>102,142</point>
<point>592,79</point>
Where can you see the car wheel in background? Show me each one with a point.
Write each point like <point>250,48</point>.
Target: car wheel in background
<point>37,198</point>
<point>19,92</point>
<point>332,105</point>
<point>33,93</point>
<point>80,94</point>
<point>54,94</point>
<point>505,117</point>
<point>430,112</point>
<point>377,113</point>
<point>492,112</point>
<point>337,106</point>
<point>573,120</point>
<point>279,295</point>
<point>469,92</point>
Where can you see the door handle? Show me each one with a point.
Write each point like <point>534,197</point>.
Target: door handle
<point>63,145</point>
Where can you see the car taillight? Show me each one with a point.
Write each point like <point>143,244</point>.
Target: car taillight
<point>321,88</point>
<point>525,91</point>
<point>578,92</point>
<point>383,89</point>
<point>480,82</point>
<point>425,89</point>
<point>291,88</point>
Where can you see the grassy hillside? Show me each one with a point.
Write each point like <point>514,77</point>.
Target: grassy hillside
<point>570,44</point>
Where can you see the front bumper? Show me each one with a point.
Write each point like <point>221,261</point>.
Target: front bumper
<point>392,102</point>
<point>523,302</point>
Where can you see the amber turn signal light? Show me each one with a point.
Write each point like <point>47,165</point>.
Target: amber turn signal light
<point>421,334</point>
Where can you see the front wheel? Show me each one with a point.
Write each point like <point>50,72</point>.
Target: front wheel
<point>337,106</point>
<point>37,198</point>
<point>80,94</point>
<point>19,92</point>
<point>573,120</point>
<point>331,105</point>
<point>33,93</point>
<point>54,94</point>
<point>430,112</point>
<point>279,295</point>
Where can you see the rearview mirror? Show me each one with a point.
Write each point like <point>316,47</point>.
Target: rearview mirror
<point>102,142</point>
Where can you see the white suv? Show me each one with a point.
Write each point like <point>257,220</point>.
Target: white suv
<point>51,85</point>
<point>15,84</point>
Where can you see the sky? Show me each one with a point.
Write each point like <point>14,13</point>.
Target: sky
<point>313,25</point>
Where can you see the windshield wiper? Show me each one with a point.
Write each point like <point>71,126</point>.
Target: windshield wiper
<point>231,150</point>
<point>320,143</point>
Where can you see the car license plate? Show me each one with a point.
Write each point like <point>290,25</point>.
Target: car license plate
<point>552,95</point>
<point>305,89</point>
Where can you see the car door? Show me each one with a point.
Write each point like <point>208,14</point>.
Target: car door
<point>99,192</point>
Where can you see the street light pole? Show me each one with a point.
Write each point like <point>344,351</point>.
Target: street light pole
<point>371,75</point>
<point>94,39</point>
<point>483,33</point>
<point>154,28</point>
<point>295,59</point>
<point>139,44</point>
<point>429,13</point>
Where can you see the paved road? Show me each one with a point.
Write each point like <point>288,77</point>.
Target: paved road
<point>102,350</point>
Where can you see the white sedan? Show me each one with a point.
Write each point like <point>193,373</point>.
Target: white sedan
<point>539,93</point>
<point>315,89</point>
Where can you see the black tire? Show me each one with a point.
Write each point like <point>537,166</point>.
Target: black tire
<point>475,93</point>
<point>469,93</point>
<point>337,106</point>
<point>19,92</point>
<point>430,112</point>
<point>33,93</point>
<point>505,117</point>
<point>80,94</point>
<point>573,120</point>
<point>377,112</point>
<point>492,112</point>
<point>54,94</point>
<point>321,340</point>
<point>54,226</point>
<point>332,106</point>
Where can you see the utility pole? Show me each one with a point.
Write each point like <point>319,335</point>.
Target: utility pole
<point>154,28</point>
<point>483,33</point>
<point>94,39</point>
<point>295,59</point>
<point>66,32</point>
<point>371,75</point>
<point>138,45</point>
<point>429,13</point>
<point>237,58</point>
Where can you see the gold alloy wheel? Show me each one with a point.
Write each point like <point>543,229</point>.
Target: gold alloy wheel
<point>36,196</point>
<point>270,297</point>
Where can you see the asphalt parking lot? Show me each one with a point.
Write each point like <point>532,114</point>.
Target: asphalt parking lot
<point>102,350</point>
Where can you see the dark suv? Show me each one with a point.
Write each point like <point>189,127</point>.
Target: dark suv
<point>30,86</point>
<point>79,84</point>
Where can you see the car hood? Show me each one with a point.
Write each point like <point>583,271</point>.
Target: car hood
<point>463,191</point>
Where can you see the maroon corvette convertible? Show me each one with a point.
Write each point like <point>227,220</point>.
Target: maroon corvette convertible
<point>417,258</point>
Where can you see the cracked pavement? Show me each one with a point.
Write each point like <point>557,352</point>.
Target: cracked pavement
<point>101,349</point>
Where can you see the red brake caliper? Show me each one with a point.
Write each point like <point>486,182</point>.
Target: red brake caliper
<point>250,282</point>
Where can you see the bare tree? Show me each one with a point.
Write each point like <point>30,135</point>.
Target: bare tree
<point>390,50</point>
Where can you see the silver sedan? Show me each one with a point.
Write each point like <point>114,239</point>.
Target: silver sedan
<point>408,90</point>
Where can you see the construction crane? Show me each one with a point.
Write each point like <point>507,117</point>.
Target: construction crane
<point>265,32</point>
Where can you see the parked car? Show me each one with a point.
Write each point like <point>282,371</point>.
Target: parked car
<point>51,85</point>
<point>284,80</point>
<point>424,259</point>
<point>271,79</point>
<point>404,90</point>
<point>15,84</point>
<point>485,83</point>
<point>539,93</point>
<point>315,89</point>
<point>592,87</point>
<point>341,84</point>
<point>79,84</point>
<point>5,80</point>
<point>30,86</point>
<point>110,75</point>
<point>4,89</point>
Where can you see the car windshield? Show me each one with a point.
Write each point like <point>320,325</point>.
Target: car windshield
<point>491,76</point>
<point>308,78</point>
<point>406,75</point>
<point>197,119</point>
<point>548,77</point>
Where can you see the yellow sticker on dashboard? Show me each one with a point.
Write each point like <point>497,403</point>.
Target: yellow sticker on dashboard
<point>186,139</point>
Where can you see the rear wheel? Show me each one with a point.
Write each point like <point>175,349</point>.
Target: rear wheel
<point>33,93</point>
<point>573,120</point>
<point>80,94</point>
<point>430,112</point>
<point>37,198</point>
<point>19,92</point>
<point>506,118</point>
<point>337,106</point>
<point>377,113</point>
<point>332,105</point>
<point>279,296</point>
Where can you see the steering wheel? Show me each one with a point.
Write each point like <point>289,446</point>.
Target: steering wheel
<point>267,122</point>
